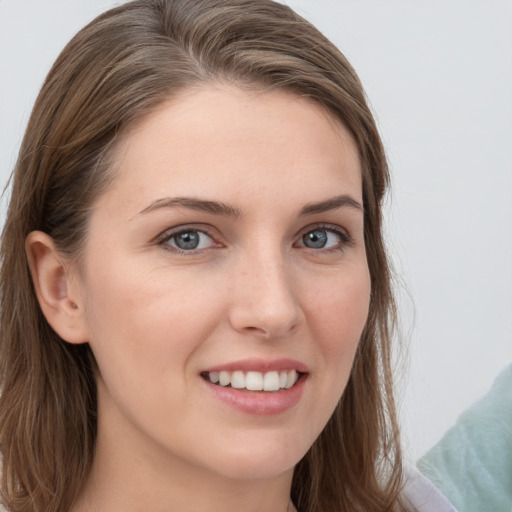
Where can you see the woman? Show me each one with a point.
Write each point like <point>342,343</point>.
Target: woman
<point>196,303</point>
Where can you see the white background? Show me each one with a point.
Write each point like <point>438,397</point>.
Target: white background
<point>439,78</point>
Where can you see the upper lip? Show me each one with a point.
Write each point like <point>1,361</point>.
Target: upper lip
<point>260,365</point>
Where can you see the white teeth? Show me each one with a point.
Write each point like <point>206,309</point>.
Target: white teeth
<point>238,380</point>
<point>271,381</point>
<point>224,378</point>
<point>255,381</point>
<point>291,379</point>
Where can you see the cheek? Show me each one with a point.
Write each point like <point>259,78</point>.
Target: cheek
<point>147,323</point>
<point>337,315</point>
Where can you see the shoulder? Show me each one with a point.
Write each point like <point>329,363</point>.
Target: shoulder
<point>419,494</point>
<point>472,463</point>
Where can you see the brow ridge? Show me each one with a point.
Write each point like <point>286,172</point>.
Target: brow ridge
<point>213,207</point>
<point>332,203</point>
<point>224,209</point>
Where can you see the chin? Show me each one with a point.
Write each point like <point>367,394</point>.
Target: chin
<point>257,462</point>
<point>251,471</point>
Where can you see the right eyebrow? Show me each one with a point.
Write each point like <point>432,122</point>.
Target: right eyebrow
<point>213,207</point>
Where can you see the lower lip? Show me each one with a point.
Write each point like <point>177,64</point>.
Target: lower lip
<point>260,403</point>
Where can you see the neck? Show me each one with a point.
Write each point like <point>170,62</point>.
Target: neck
<point>113,495</point>
<point>132,495</point>
<point>133,476</point>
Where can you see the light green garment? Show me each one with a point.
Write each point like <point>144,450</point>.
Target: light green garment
<point>472,464</point>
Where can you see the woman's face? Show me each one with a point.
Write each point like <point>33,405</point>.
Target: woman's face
<point>226,257</point>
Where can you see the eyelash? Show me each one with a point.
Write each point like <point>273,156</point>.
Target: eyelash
<point>167,236</point>
<point>345,239</point>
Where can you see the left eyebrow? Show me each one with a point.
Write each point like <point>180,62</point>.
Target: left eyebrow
<point>331,204</point>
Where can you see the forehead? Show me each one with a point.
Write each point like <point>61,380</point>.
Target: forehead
<point>224,140</point>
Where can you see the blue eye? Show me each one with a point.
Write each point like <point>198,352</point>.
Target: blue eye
<point>189,240</point>
<point>324,238</point>
<point>316,239</point>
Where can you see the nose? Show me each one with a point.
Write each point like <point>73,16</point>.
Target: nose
<point>265,300</point>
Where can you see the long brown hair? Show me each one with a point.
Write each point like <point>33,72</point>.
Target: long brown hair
<point>117,69</point>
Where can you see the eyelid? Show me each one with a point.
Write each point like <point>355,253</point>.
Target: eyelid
<point>169,233</point>
<point>346,239</point>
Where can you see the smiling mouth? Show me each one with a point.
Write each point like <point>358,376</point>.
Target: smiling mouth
<point>254,381</point>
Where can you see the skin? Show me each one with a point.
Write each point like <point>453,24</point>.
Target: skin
<point>156,317</point>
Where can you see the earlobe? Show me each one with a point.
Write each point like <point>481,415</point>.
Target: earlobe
<point>58,295</point>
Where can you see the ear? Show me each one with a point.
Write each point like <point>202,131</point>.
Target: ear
<point>57,290</point>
